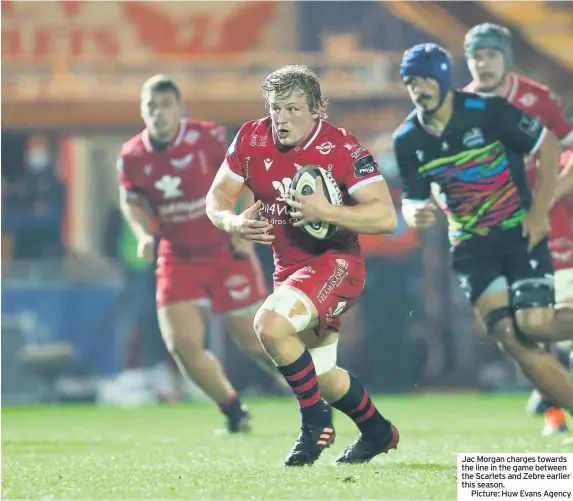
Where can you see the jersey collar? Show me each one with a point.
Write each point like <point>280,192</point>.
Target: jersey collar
<point>176,141</point>
<point>510,95</point>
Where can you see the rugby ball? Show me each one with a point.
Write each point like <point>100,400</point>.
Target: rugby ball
<point>304,182</point>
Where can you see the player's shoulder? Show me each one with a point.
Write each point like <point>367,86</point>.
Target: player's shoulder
<point>200,125</point>
<point>336,135</point>
<point>260,126</point>
<point>254,133</point>
<point>531,93</point>
<point>338,139</point>
<point>193,130</point>
<point>133,148</point>
<point>479,105</point>
<point>407,128</point>
<point>476,101</point>
<point>524,85</point>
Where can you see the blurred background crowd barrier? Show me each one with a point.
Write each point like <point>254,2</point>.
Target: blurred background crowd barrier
<point>78,316</point>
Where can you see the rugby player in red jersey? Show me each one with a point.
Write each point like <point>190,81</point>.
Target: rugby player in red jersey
<point>315,281</point>
<point>165,173</point>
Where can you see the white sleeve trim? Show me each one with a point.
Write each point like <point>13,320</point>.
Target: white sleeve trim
<point>567,139</point>
<point>539,142</point>
<point>365,182</point>
<point>227,171</point>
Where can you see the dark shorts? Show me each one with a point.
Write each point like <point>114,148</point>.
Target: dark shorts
<point>498,258</point>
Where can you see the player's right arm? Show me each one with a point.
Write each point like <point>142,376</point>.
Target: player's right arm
<point>222,199</point>
<point>131,204</point>
<point>418,209</point>
<point>525,135</point>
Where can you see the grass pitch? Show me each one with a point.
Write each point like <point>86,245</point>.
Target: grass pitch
<point>172,452</point>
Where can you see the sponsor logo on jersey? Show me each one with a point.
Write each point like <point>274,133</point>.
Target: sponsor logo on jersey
<point>365,166</point>
<point>359,151</point>
<point>191,137</point>
<point>325,148</point>
<point>332,282</point>
<point>530,125</point>
<point>257,140</point>
<point>528,99</point>
<point>473,138</point>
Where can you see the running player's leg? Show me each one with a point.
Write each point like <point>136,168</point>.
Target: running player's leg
<point>482,278</point>
<point>345,392</point>
<point>277,323</point>
<point>531,277</point>
<point>561,248</point>
<point>183,311</point>
<point>314,297</point>
<point>238,291</point>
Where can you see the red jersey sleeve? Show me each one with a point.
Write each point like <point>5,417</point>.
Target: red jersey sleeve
<point>234,163</point>
<point>359,168</point>
<point>125,175</point>
<point>556,121</point>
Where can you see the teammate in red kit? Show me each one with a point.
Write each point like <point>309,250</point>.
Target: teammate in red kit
<point>315,281</point>
<point>490,59</point>
<point>169,168</point>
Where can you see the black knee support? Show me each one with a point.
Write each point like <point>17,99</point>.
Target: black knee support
<point>533,293</point>
<point>491,318</point>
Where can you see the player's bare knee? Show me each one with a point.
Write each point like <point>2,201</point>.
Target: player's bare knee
<point>504,333</point>
<point>284,313</point>
<point>533,300</point>
<point>535,322</point>
<point>271,327</point>
<point>328,378</point>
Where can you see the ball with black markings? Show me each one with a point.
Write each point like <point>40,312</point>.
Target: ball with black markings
<point>304,182</point>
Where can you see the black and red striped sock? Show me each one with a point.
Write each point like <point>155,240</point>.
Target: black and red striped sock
<point>356,404</point>
<point>301,377</point>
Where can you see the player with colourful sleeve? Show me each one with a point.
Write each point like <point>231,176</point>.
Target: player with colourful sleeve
<point>473,148</point>
<point>315,281</point>
<point>489,54</point>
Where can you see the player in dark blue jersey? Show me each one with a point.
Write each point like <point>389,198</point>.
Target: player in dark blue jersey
<point>473,149</point>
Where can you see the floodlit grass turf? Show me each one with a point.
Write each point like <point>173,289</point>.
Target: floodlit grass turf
<point>171,452</point>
